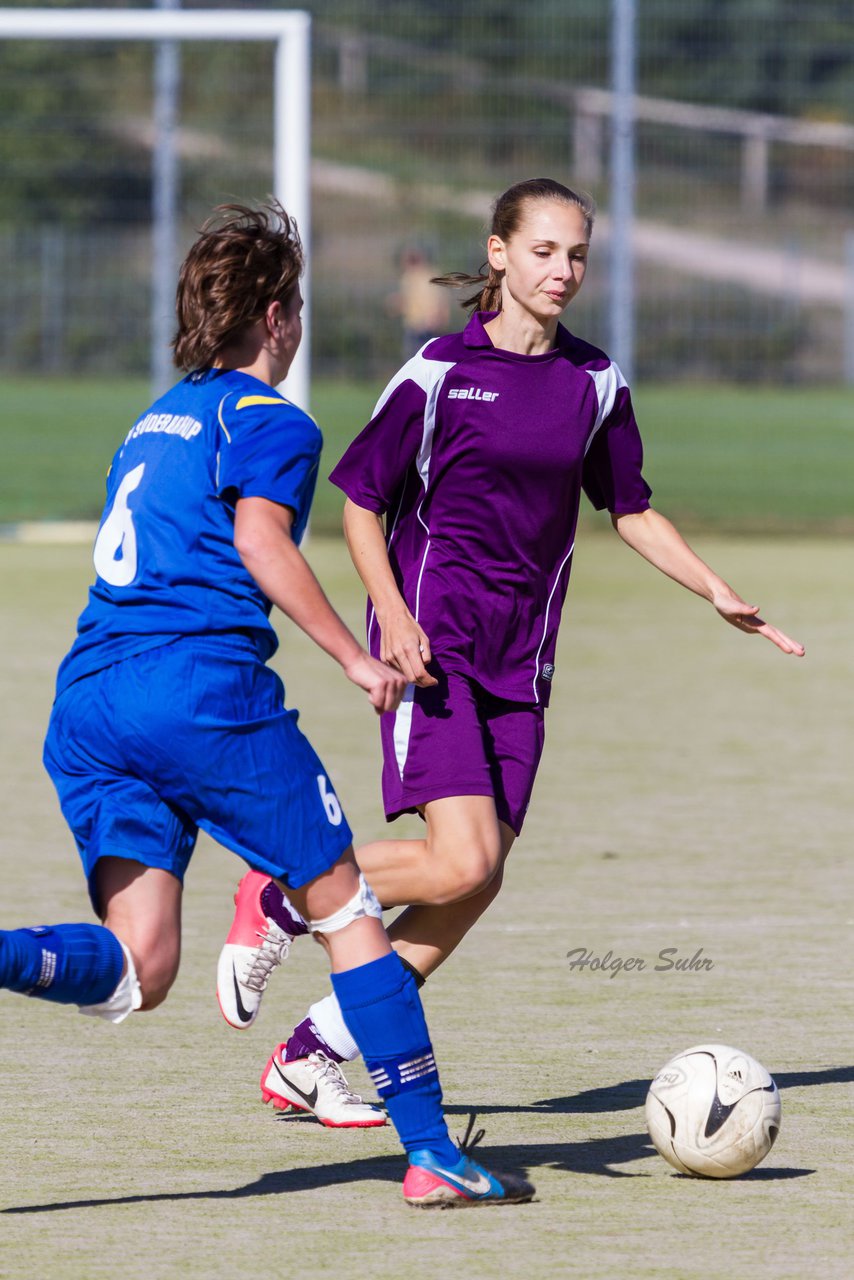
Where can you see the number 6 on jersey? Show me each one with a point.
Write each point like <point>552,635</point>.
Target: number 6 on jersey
<point>115,545</point>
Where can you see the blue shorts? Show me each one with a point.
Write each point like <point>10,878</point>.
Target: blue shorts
<point>192,734</point>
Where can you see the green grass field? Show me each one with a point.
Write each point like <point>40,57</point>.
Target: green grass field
<point>743,460</point>
<point>695,793</point>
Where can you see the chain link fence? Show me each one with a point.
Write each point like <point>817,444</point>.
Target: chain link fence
<point>421,114</point>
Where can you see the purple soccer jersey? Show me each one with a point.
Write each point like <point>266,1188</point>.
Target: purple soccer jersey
<point>479,456</point>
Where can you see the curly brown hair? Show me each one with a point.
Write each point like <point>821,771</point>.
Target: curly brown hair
<point>507,214</point>
<point>244,259</point>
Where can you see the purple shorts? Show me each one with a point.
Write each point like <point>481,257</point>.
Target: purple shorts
<point>456,739</point>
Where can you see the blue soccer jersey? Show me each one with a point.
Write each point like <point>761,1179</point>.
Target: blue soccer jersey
<point>164,556</point>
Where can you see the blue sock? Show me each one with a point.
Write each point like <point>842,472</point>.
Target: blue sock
<point>67,963</point>
<point>382,1010</point>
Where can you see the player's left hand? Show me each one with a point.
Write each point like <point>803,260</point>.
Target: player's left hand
<point>746,618</point>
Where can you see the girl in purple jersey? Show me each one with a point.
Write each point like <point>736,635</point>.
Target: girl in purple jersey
<point>462,502</point>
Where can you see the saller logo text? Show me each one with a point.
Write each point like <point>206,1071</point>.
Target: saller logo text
<point>471,393</point>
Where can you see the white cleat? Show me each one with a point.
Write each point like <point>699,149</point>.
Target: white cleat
<point>316,1084</point>
<point>255,946</point>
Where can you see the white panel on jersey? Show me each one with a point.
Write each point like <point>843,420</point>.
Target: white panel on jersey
<point>403,727</point>
<point>425,453</point>
<point>418,370</point>
<point>429,375</point>
<point>607,383</point>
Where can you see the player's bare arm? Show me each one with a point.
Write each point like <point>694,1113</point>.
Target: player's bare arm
<point>262,536</point>
<point>404,644</point>
<point>654,537</point>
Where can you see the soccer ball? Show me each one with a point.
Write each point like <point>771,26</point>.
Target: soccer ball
<point>713,1111</point>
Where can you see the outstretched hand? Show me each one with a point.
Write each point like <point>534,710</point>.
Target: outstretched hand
<point>653,536</point>
<point>746,618</point>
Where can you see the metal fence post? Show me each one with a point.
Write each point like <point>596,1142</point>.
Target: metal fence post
<point>848,322</point>
<point>622,303</point>
<point>164,197</point>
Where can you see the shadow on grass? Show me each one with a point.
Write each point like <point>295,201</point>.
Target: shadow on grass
<point>594,1156</point>
<point>632,1093</point>
<point>797,1079</point>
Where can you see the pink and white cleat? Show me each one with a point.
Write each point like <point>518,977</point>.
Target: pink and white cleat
<point>316,1084</point>
<point>255,946</point>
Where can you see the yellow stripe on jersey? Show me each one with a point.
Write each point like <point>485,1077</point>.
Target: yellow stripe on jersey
<point>246,402</point>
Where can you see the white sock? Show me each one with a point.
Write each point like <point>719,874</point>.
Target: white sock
<point>126,998</point>
<point>328,1019</point>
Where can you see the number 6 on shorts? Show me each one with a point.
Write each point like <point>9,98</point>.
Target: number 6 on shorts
<point>330,801</point>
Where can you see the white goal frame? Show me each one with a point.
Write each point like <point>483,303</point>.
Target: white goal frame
<point>288,30</point>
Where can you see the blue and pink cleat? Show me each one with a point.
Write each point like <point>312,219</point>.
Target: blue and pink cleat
<point>431,1185</point>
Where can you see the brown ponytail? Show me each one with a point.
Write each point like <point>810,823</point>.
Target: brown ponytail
<point>507,214</point>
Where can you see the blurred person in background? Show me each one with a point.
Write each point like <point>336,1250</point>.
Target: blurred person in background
<point>421,305</point>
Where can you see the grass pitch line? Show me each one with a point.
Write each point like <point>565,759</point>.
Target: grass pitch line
<point>46,532</point>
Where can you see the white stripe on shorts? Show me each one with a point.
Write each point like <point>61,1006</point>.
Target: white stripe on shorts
<point>403,728</point>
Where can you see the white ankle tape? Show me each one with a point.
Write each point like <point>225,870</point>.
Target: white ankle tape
<point>363,903</point>
<point>126,997</point>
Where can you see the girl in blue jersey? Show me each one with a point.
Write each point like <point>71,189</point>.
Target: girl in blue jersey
<point>462,501</point>
<point>167,718</point>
